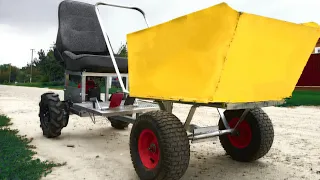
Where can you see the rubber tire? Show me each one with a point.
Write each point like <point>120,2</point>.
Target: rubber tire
<point>66,113</point>
<point>118,124</point>
<point>173,142</point>
<point>51,104</point>
<point>262,135</point>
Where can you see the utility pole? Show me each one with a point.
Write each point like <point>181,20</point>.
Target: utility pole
<point>9,72</point>
<point>31,64</point>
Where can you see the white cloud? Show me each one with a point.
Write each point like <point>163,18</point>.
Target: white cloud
<point>15,44</point>
<point>15,47</point>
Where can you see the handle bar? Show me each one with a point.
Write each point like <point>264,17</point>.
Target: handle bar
<point>105,35</point>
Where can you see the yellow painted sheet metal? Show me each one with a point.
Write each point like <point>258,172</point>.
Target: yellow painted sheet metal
<point>219,55</point>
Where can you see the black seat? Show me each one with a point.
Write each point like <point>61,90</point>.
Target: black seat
<point>80,45</point>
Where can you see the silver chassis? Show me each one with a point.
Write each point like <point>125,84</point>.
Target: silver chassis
<point>84,108</point>
<point>107,76</point>
<point>202,134</point>
<point>195,133</point>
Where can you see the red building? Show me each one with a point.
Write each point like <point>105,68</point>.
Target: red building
<point>310,77</point>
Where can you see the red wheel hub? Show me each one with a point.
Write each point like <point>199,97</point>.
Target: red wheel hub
<point>148,148</point>
<point>243,135</point>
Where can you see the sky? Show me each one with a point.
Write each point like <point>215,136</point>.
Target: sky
<point>32,24</point>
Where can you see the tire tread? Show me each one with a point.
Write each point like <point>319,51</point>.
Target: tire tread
<point>266,137</point>
<point>56,122</point>
<point>176,147</point>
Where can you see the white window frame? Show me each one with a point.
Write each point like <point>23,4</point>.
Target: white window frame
<point>316,50</point>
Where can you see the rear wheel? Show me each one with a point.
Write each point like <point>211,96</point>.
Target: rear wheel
<point>117,124</point>
<point>159,146</point>
<point>52,115</point>
<point>253,137</point>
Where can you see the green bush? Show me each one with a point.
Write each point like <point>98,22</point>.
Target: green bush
<point>44,79</point>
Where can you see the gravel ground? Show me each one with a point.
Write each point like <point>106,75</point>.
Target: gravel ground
<point>101,152</point>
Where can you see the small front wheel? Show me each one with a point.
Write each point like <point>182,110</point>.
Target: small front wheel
<point>253,137</point>
<point>159,146</point>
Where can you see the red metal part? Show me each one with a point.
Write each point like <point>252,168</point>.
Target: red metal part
<point>89,85</point>
<point>243,138</point>
<point>148,148</point>
<point>115,100</point>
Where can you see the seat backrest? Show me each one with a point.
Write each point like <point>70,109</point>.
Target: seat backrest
<point>79,30</point>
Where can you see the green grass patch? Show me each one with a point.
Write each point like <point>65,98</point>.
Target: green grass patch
<point>4,121</point>
<point>59,86</point>
<point>51,85</point>
<point>303,98</point>
<point>16,161</point>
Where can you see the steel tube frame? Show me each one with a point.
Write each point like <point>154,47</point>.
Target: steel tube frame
<point>204,133</point>
<point>83,75</point>
<point>105,35</point>
<point>208,136</point>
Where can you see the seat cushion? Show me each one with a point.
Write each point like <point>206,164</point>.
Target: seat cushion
<point>93,63</point>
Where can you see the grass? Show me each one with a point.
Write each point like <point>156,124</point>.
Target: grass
<point>56,86</point>
<point>16,161</point>
<point>303,98</point>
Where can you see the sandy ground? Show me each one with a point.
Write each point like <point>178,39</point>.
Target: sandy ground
<point>101,152</point>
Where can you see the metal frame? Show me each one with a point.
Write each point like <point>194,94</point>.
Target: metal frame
<point>107,77</point>
<point>105,35</point>
<point>225,105</point>
<point>105,111</point>
<point>202,134</point>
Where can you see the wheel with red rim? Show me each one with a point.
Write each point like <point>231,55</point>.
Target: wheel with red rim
<point>148,148</point>
<point>159,146</point>
<point>252,138</point>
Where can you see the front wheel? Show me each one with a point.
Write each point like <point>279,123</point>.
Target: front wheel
<point>159,146</point>
<point>53,115</point>
<point>253,137</point>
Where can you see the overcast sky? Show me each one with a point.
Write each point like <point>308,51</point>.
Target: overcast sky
<point>26,24</point>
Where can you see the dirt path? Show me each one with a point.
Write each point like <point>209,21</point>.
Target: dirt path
<point>101,152</point>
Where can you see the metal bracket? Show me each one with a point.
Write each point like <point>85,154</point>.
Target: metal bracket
<point>93,118</point>
<point>241,119</point>
<point>95,100</point>
<point>224,120</point>
<point>190,116</point>
<point>166,106</point>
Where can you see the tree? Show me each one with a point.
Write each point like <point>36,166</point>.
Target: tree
<point>49,67</point>
<point>8,73</point>
<point>123,52</point>
<point>45,69</point>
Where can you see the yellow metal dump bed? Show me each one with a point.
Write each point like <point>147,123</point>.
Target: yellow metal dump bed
<point>219,55</point>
